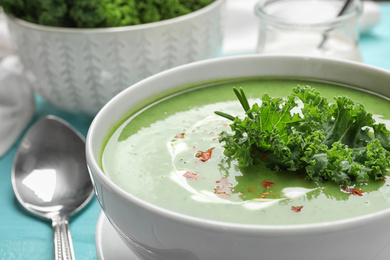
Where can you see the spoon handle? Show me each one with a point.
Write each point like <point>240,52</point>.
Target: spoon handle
<point>63,246</point>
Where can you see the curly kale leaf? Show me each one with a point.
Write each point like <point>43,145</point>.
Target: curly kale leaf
<point>329,142</point>
<point>350,118</point>
<point>260,132</point>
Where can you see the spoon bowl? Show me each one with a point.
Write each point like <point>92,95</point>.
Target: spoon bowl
<point>50,177</point>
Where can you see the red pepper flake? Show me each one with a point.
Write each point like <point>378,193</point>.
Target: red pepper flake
<point>268,184</point>
<point>357,192</point>
<point>296,208</point>
<point>384,179</point>
<point>264,195</point>
<point>223,181</point>
<point>223,190</point>
<point>352,190</point>
<point>220,190</point>
<point>249,189</point>
<point>180,135</point>
<point>204,156</point>
<point>190,175</point>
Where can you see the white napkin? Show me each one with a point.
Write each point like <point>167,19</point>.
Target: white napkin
<point>241,25</point>
<point>17,103</point>
<point>5,45</point>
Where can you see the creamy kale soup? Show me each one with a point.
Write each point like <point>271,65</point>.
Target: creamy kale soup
<point>169,154</point>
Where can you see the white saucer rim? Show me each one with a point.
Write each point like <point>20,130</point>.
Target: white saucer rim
<point>99,240</point>
<point>98,236</point>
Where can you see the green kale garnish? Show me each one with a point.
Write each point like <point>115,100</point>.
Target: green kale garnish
<point>337,142</point>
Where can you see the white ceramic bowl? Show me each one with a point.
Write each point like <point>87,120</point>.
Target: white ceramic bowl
<point>79,70</point>
<point>156,233</point>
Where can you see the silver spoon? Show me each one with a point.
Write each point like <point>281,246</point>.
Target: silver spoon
<point>50,177</point>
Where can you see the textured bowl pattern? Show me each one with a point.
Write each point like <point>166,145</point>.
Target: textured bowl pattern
<point>79,70</point>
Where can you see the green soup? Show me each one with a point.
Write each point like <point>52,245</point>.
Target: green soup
<point>155,155</point>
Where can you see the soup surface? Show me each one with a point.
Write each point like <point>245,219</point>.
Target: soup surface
<point>156,156</point>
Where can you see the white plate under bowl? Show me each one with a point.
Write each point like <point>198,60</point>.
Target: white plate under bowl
<point>109,246</point>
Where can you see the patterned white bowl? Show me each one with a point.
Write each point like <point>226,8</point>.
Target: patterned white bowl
<point>79,70</point>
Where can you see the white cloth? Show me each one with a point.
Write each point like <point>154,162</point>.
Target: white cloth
<point>17,102</point>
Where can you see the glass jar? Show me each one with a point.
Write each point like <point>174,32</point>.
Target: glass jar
<point>309,27</point>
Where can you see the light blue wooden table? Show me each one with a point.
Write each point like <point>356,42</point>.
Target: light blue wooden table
<point>25,237</point>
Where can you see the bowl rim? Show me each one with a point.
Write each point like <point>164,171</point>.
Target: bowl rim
<point>290,229</point>
<point>146,26</point>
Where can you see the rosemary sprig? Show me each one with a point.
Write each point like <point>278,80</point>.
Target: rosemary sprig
<point>244,103</point>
